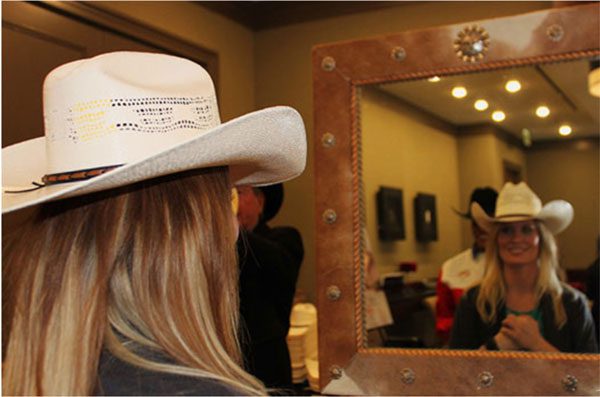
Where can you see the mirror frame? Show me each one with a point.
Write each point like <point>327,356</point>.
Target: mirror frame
<point>347,365</point>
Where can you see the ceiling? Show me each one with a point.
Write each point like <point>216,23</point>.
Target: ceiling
<point>260,15</point>
<point>562,87</point>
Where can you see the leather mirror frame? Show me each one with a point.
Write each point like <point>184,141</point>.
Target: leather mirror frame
<point>347,365</point>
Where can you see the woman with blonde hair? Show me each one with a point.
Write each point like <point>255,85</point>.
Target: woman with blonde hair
<point>125,283</point>
<point>521,304</point>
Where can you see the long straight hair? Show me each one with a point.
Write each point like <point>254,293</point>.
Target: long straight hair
<point>150,265</point>
<point>492,292</point>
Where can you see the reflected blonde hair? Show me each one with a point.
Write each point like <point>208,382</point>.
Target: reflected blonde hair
<point>492,290</point>
<point>151,265</point>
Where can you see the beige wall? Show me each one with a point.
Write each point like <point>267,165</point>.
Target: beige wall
<point>398,148</point>
<point>274,67</point>
<point>476,170</point>
<point>571,173</point>
<point>482,155</point>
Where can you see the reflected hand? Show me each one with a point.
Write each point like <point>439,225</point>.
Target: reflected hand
<point>504,342</point>
<point>524,331</point>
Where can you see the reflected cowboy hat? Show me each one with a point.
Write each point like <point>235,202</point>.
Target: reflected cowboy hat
<point>273,200</point>
<point>124,117</point>
<point>518,203</point>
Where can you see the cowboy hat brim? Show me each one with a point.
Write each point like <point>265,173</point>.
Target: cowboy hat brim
<point>557,215</point>
<point>261,148</point>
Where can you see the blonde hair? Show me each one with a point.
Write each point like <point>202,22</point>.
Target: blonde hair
<point>492,291</point>
<point>151,265</point>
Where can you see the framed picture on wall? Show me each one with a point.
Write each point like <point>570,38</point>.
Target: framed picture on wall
<point>425,218</point>
<point>390,214</point>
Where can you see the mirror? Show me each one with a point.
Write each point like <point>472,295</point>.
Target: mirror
<point>343,74</point>
<point>404,125</point>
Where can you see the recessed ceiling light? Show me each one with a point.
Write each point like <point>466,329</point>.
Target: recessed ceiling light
<point>565,130</point>
<point>459,92</point>
<point>434,79</point>
<point>498,116</point>
<point>542,111</point>
<point>512,86</point>
<point>481,105</point>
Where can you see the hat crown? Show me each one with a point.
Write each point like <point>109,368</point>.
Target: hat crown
<point>119,107</point>
<point>517,200</point>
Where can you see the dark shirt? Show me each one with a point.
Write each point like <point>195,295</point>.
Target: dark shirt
<point>576,336</point>
<point>270,260</point>
<point>593,292</point>
<point>119,378</point>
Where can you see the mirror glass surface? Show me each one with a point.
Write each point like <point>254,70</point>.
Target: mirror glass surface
<point>424,151</point>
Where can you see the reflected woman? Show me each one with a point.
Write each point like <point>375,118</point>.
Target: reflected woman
<point>521,304</point>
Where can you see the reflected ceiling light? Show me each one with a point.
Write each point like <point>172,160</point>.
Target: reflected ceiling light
<point>481,105</point>
<point>434,79</point>
<point>459,92</point>
<point>526,137</point>
<point>565,130</point>
<point>542,111</point>
<point>594,78</point>
<point>498,116</point>
<point>512,86</point>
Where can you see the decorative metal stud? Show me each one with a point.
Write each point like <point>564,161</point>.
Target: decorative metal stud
<point>328,64</point>
<point>328,140</point>
<point>329,216</point>
<point>472,43</point>
<point>408,376</point>
<point>335,372</point>
<point>398,54</point>
<point>569,383</point>
<point>555,32</point>
<point>333,293</point>
<point>485,379</point>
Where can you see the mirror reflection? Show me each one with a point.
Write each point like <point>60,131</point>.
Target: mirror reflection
<point>430,147</point>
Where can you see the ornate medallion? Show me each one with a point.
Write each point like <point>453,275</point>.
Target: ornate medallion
<point>472,43</point>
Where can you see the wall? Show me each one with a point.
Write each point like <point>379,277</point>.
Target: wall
<point>283,76</point>
<point>398,145</point>
<point>475,170</point>
<point>574,172</point>
<point>483,153</point>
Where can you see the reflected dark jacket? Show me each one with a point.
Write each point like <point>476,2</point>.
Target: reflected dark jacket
<point>576,336</point>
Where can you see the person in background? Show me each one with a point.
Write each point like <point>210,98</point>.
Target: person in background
<point>270,259</point>
<point>126,281</point>
<point>592,289</point>
<point>520,303</point>
<point>463,270</point>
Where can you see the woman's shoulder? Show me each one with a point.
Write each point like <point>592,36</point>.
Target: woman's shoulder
<point>117,378</point>
<point>572,296</point>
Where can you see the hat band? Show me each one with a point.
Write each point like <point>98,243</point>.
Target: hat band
<point>79,175</point>
<point>514,216</point>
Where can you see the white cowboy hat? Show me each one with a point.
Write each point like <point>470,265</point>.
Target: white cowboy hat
<point>124,117</point>
<point>518,202</point>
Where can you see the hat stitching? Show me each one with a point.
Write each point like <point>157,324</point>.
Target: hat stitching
<point>92,119</point>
